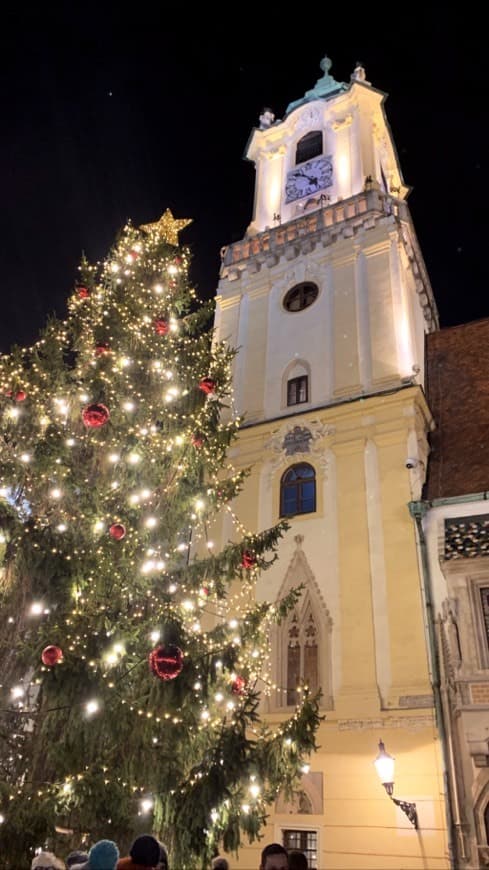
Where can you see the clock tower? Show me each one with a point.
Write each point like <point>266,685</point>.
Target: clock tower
<point>328,301</point>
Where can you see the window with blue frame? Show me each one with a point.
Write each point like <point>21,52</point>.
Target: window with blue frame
<point>298,490</point>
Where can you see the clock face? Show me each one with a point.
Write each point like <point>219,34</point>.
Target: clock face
<point>308,178</point>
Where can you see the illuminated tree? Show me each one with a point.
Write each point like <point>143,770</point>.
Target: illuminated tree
<point>133,653</point>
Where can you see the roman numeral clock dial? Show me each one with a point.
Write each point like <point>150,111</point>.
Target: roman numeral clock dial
<point>308,178</point>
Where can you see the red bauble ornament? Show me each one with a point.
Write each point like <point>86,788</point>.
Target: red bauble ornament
<point>117,531</point>
<point>248,559</point>
<point>166,662</point>
<point>197,440</point>
<point>101,348</point>
<point>51,656</point>
<point>9,394</point>
<point>95,415</point>
<point>83,292</point>
<point>162,327</point>
<point>20,396</point>
<point>207,385</point>
<point>177,261</point>
<point>238,686</point>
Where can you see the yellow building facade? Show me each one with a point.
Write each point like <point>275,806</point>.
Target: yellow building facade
<point>328,301</point>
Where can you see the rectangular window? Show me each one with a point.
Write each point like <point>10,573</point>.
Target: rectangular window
<point>311,666</point>
<point>297,390</point>
<point>293,673</point>
<point>303,841</point>
<point>484,593</point>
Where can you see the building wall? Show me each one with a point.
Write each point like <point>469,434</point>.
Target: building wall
<point>357,554</point>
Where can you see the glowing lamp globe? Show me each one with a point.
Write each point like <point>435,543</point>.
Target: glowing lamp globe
<point>384,765</point>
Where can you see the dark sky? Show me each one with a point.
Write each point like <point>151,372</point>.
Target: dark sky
<point>110,114</point>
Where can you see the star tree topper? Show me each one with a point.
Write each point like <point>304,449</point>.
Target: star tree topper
<point>167,227</point>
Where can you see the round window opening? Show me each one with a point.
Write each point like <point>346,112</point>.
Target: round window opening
<point>301,296</point>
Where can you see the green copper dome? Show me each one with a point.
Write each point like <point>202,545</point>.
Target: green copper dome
<point>325,87</point>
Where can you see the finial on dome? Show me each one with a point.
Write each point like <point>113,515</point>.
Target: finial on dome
<point>325,87</point>
<point>267,118</point>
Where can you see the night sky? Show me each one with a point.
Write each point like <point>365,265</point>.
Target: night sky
<point>111,114</point>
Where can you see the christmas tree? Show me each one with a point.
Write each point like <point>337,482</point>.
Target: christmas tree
<point>133,652</point>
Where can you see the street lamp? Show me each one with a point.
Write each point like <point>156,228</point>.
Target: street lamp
<point>384,765</point>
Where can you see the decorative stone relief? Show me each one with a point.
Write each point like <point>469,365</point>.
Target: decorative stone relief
<point>341,123</point>
<point>297,441</point>
<point>312,117</point>
<point>301,444</point>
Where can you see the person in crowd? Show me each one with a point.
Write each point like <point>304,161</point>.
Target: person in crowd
<point>47,861</point>
<point>144,852</point>
<point>102,856</point>
<point>220,863</point>
<point>76,857</point>
<point>163,862</point>
<point>297,860</point>
<point>274,857</point>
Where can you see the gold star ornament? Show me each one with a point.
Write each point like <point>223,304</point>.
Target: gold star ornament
<point>167,228</point>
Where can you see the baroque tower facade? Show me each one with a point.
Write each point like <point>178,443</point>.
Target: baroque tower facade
<point>328,301</point>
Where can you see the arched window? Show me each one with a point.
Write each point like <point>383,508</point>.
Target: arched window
<point>309,146</point>
<point>486,822</point>
<point>298,490</point>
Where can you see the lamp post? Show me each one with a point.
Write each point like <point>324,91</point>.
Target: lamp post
<point>384,765</point>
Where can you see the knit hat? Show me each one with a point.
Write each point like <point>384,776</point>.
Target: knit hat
<point>104,855</point>
<point>76,857</point>
<point>47,860</point>
<point>145,850</point>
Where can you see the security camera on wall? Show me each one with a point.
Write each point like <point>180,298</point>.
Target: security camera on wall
<point>411,462</point>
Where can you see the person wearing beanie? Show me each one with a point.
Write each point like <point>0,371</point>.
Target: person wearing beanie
<point>163,862</point>
<point>103,856</point>
<point>47,861</point>
<point>143,854</point>
<point>76,857</point>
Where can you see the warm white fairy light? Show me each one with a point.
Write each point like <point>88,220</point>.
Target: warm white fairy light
<point>155,635</point>
<point>17,692</point>
<point>25,457</point>
<point>36,608</point>
<point>129,405</point>
<point>92,707</point>
<point>158,289</point>
<point>151,522</point>
<point>134,458</point>
<point>70,442</point>
<point>56,493</point>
